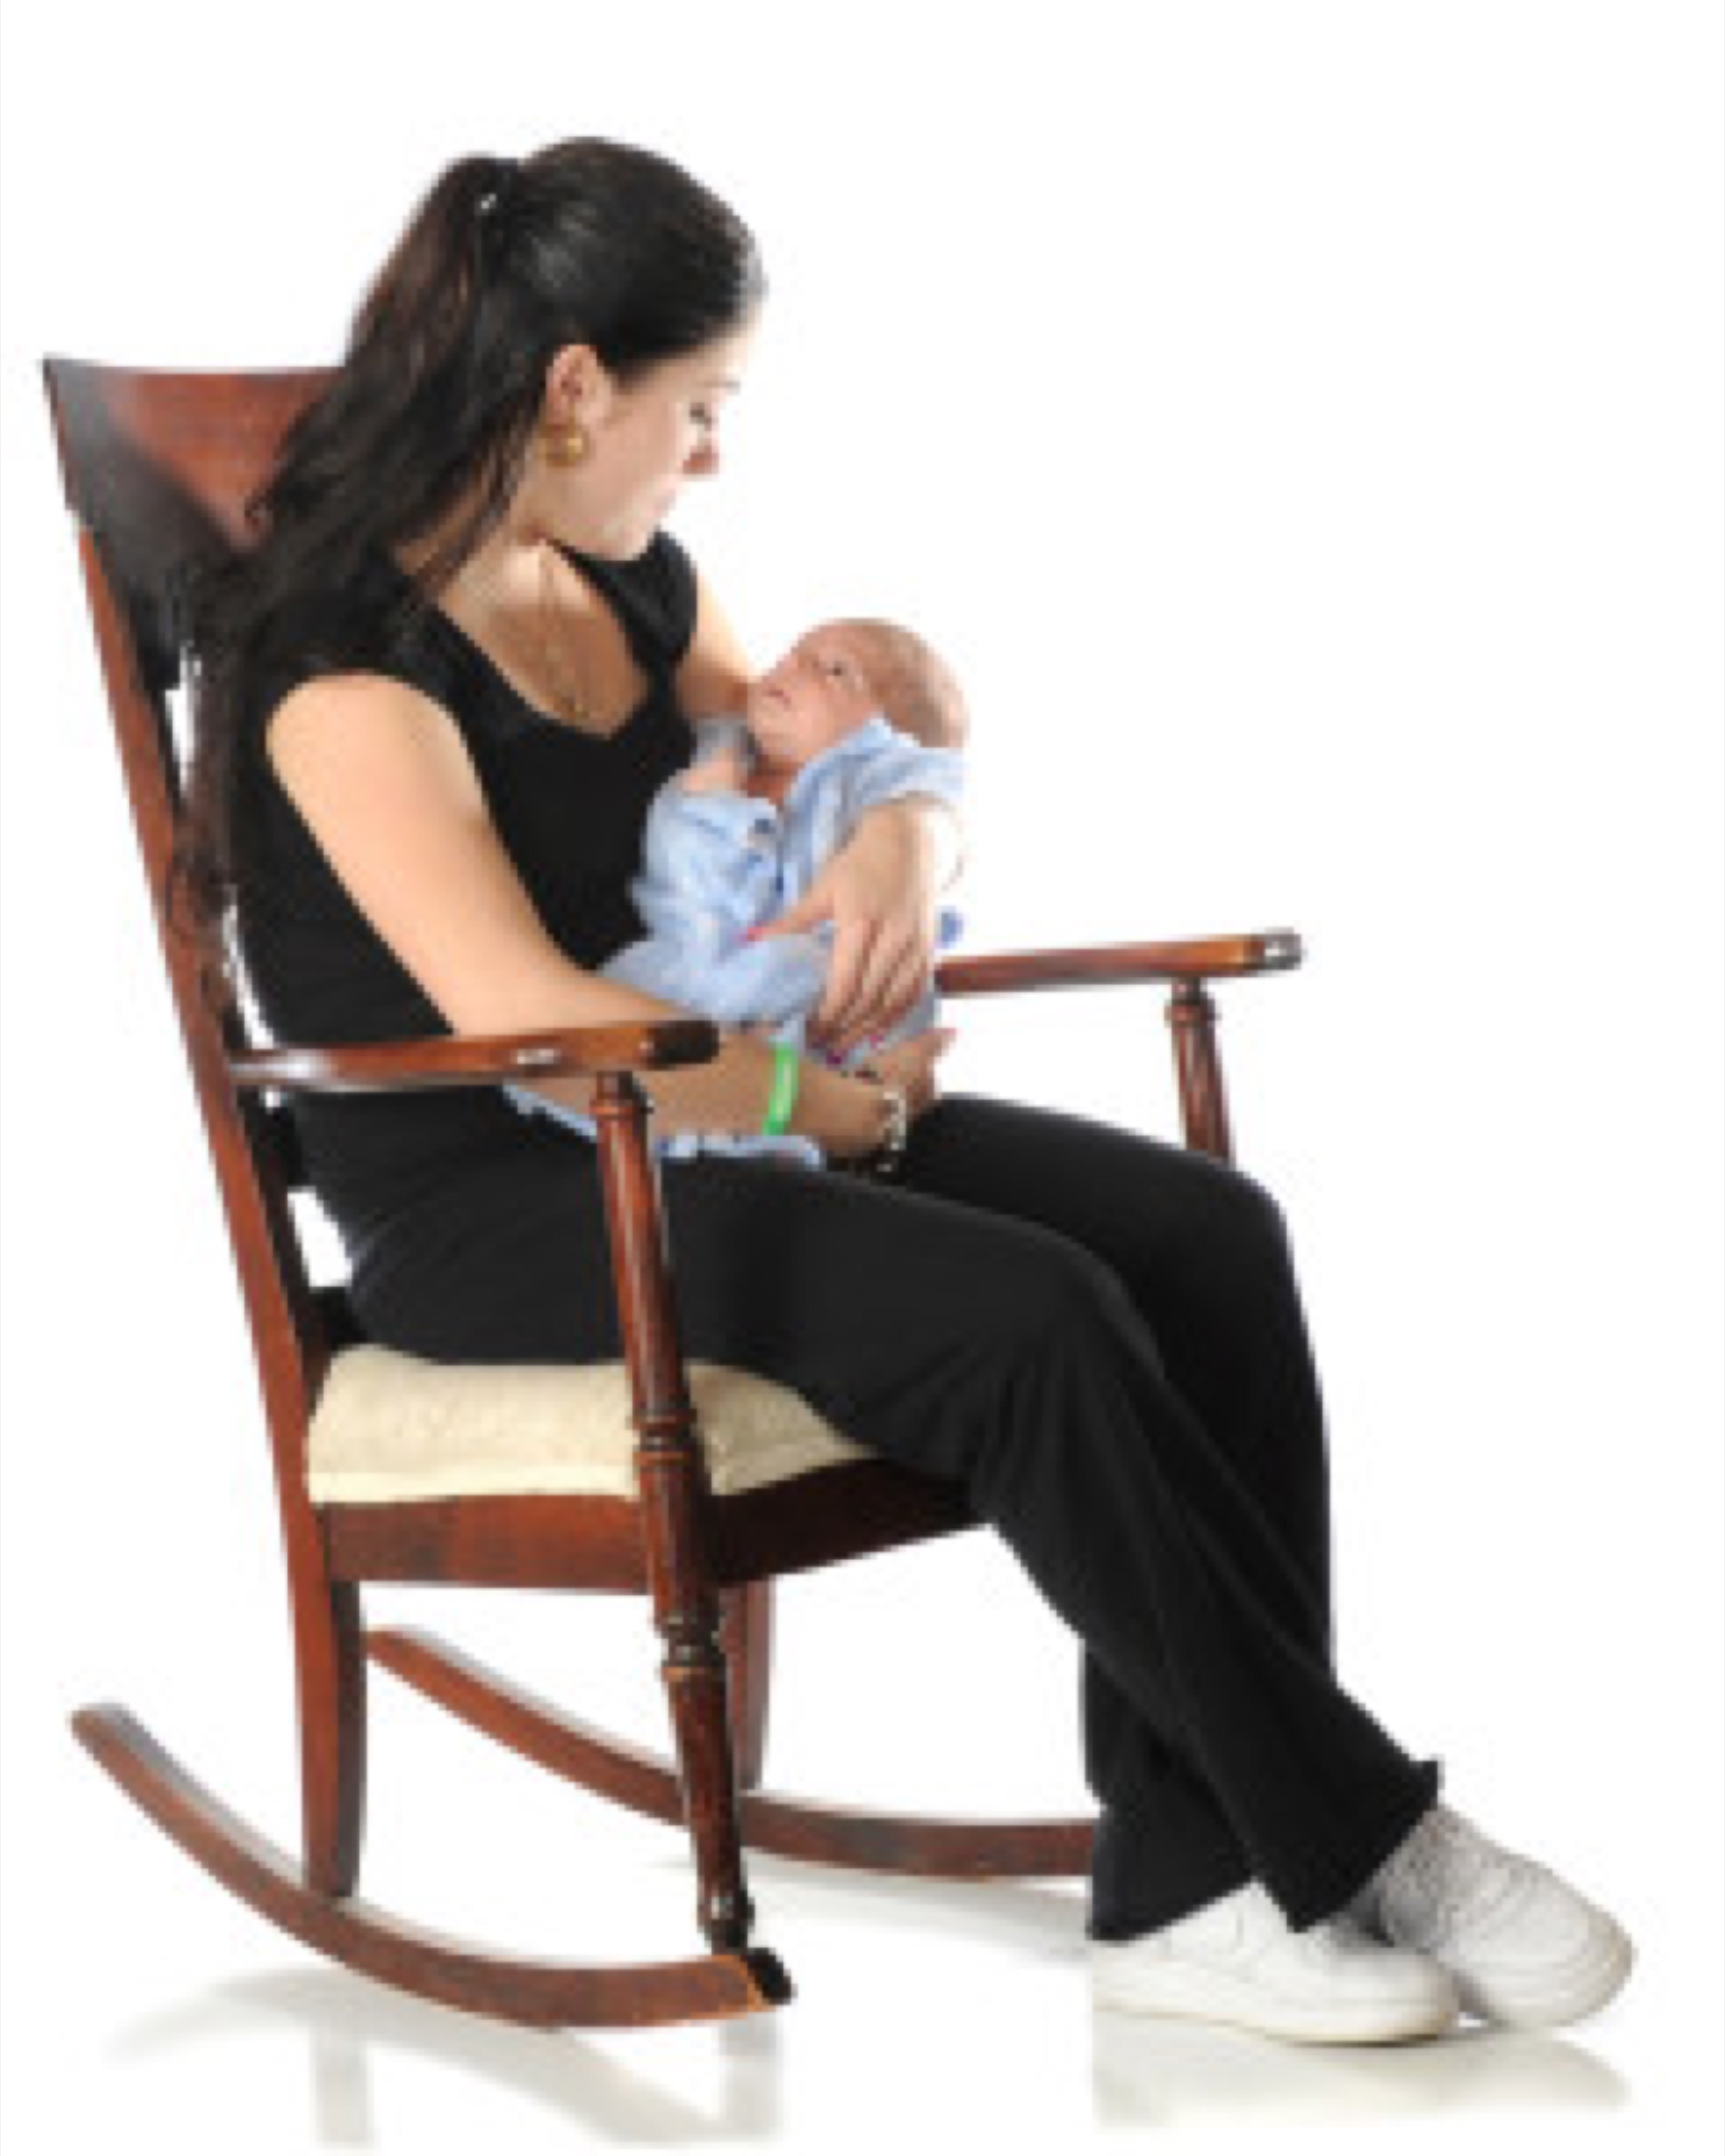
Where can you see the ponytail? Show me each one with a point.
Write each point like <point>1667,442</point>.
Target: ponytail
<point>422,303</point>
<point>423,433</point>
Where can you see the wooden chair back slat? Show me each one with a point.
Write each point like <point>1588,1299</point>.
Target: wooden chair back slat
<point>158,471</point>
<point>161,468</point>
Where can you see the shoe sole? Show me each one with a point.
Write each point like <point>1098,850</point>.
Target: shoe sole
<point>1213,1997</point>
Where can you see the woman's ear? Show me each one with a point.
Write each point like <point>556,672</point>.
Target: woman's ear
<point>578,387</point>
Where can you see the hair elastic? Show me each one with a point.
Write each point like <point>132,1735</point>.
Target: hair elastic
<point>499,187</point>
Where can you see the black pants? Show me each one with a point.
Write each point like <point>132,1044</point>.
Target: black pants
<point>1101,1337</point>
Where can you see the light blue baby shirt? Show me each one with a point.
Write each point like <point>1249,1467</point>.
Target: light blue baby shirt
<point>715,865</point>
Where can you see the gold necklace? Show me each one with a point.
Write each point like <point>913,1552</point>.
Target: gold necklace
<point>569,696</point>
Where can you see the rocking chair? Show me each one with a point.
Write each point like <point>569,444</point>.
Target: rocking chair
<point>695,1485</point>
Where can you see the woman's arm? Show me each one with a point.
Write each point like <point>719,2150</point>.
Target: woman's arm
<point>383,780</point>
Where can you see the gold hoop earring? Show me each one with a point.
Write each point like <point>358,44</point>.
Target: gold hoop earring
<point>565,444</point>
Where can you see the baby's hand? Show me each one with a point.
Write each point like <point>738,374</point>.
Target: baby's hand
<point>723,772</point>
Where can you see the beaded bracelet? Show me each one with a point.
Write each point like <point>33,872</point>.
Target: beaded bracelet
<point>889,1154</point>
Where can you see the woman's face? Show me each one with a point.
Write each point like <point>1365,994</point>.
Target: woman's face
<point>644,439</point>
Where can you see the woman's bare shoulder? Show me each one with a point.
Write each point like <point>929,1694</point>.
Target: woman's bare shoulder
<point>326,701</point>
<point>366,758</point>
<point>356,721</point>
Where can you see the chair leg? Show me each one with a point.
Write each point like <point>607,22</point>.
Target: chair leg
<point>329,1640</point>
<point>695,1679</point>
<point>746,1633</point>
<point>314,1901</point>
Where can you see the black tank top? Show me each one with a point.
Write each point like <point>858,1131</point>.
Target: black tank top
<point>569,807</point>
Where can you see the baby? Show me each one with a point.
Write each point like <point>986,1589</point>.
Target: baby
<point>854,714</point>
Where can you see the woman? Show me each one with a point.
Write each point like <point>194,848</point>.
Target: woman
<point>435,704</point>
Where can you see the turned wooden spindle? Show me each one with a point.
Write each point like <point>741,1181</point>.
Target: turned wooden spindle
<point>674,1499</point>
<point>1204,1106</point>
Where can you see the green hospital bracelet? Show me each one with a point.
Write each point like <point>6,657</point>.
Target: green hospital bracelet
<point>787,1076</point>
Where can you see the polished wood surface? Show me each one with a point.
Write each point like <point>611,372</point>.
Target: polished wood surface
<point>675,1503</point>
<point>1198,1066</point>
<point>1114,965</point>
<point>783,1826</point>
<point>746,1636</point>
<point>596,1543</point>
<point>477,1059</point>
<point>542,1995</point>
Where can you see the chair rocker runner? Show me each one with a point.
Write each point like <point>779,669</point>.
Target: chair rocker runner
<point>694,1485</point>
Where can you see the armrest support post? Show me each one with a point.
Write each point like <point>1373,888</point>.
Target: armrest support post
<point>675,1499</point>
<point>1204,1105</point>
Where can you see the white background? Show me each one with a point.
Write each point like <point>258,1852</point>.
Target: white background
<point>1302,424</point>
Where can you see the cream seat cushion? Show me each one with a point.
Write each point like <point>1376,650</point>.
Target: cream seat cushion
<point>390,1428</point>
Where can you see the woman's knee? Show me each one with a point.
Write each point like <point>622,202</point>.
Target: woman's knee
<point>1238,1217</point>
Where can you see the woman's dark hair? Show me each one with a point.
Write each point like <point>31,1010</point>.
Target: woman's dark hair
<point>432,409</point>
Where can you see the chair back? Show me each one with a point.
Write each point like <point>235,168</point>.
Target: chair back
<point>159,471</point>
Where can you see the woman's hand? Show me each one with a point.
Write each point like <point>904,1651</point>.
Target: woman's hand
<point>844,1112</point>
<point>882,893</point>
<point>909,1065</point>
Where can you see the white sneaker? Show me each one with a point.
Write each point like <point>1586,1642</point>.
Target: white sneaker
<point>1523,1948</point>
<point>1237,1961</point>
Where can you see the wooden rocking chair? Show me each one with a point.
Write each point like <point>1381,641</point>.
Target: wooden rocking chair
<point>639,1499</point>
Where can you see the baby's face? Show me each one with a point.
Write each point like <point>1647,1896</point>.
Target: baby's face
<point>817,693</point>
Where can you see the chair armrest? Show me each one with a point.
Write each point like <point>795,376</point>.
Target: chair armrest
<point>473,1058</point>
<point>1206,958</point>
